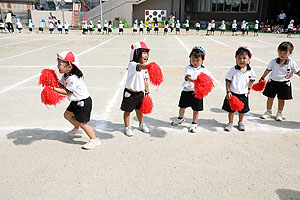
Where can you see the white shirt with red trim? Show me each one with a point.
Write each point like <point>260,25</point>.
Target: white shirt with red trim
<point>282,73</point>
<point>136,78</point>
<point>76,86</point>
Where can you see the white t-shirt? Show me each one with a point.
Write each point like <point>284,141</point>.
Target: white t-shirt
<point>91,25</point>
<point>141,25</point>
<point>282,16</point>
<point>41,24</point>
<point>282,73</point>
<point>76,86</point>
<point>193,72</point>
<point>290,26</point>
<point>59,26</point>
<point>51,25</point>
<point>149,25</point>
<point>166,25</point>
<point>135,26</point>
<point>19,25</point>
<point>135,78</point>
<point>84,26</point>
<point>240,80</point>
<point>110,26</point>
<point>223,27</point>
<point>234,25</point>
<point>99,26</point>
<point>177,25</point>
<point>106,25</point>
<point>256,26</point>
<point>2,25</point>
<point>243,26</point>
<point>198,25</point>
<point>187,25</point>
<point>121,25</point>
<point>209,26</point>
<point>213,25</point>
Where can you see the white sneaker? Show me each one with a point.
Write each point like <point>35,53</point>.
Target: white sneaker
<point>177,121</point>
<point>75,131</point>
<point>228,127</point>
<point>128,131</point>
<point>143,127</point>
<point>279,117</point>
<point>267,115</point>
<point>193,128</point>
<point>91,144</point>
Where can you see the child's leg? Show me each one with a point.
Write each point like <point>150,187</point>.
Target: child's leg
<point>280,104</point>
<point>71,118</point>
<point>126,118</point>
<point>88,130</point>
<point>241,117</point>
<point>139,115</point>
<point>195,116</point>
<point>181,112</point>
<point>230,117</point>
<point>270,103</point>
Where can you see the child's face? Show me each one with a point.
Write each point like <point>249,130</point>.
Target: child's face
<point>196,62</point>
<point>242,59</point>
<point>63,67</point>
<point>283,55</point>
<point>144,57</point>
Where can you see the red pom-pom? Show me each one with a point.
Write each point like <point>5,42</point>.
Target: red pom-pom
<point>147,105</point>
<point>48,78</point>
<point>155,74</point>
<point>203,85</point>
<point>260,86</point>
<point>235,104</point>
<point>51,97</point>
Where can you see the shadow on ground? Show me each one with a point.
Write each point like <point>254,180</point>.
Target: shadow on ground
<point>286,194</point>
<point>28,136</point>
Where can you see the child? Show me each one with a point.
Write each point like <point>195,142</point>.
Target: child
<point>256,26</point>
<point>30,25</point>
<point>59,26</point>
<point>239,80</point>
<point>71,84</point>
<point>105,27</point>
<point>19,25</point>
<point>234,28</point>
<point>135,25</point>
<point>197,25</point>
<point>290,28</point>
<point>166,28</point>
<point>149,27</point>
<point>243,27</point>
<point>109,27</point>
<point>66,26</point>
<point>136,85</point>
<point>99,26</point>
<point>41,26</point>
<point>208,32</point>
<point>178,27</point>
<point>213,27</point>
<point>187,26</point>
<point>51,26</point>
<point>187,97</point>
<point>121,28</point>
<point>141,27</point>
<point>223,27</point>
<point>281,70</point>
<point>91,27</point>
<point>2,26</point>
<point>84,27</point>
<point>156,27</point>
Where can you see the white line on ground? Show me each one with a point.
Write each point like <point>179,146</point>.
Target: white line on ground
<point>13,36</point>
<point>267,42</point>
<point>4,45</point>
<point>26,80</point>
<point>241,43</point>
<point>217,41</point>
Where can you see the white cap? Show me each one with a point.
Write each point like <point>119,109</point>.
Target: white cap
<point>69,56</point>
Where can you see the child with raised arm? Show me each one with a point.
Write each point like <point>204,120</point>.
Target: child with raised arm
<point>239,81</point>
<point>281,70</point>
<point>136,87</point>
<point>72,85</point>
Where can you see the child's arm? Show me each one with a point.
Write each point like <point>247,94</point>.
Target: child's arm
<point>228,95</point>
<point>250,86</point>
<point>146,87</point>
<point>61,91</point>
<point>189,78</point>
<point>264,75</point>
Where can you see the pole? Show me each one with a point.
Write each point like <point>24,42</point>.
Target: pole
<point>101,13</point>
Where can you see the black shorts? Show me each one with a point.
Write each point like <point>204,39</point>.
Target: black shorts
<point>243,30</point>
<point>41,29</point>
<point>81,109</point>
<point>148,29</point>
<point>197,29</point>
<point>165,30</point>
<point>51,29</point>
<point>66,30</point>
<point>60,29</point>
<point>104,29</point>
<point>212,29</point>
<point>141,29</point>
<point>91,29</point>
<point>134,30</point>
<point>178,29</point>
<point>290,30</point>
<point>131,100</point>
<point>155,29</point>
<point>283,90</point>
<point>255,30</point>
<point>188,99</point>
<point>84,30</point>
<point>187,28</point>
<point>30,29</point>
<point>121,30</point>
<point>1,28</point>
<point>241,97</point>
<point>99,30</point>
<point>109,30</point>
<point>234,30</point>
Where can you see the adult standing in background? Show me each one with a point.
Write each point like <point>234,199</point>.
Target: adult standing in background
<point>172,21</point>
<point>282,17</point>
<point>8,21</point>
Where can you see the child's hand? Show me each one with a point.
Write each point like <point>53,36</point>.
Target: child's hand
<point>261,79</point>
<point>147,93</point>
<point>229,95</point>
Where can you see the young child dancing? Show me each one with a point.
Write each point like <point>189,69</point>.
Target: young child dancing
<point>239,81</point>
<point>71,84</point>
<point>281,70</point>
<point>187,97</point>
<point>135,87</point>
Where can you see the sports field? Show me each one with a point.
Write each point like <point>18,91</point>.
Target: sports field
<point>38,160</point>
